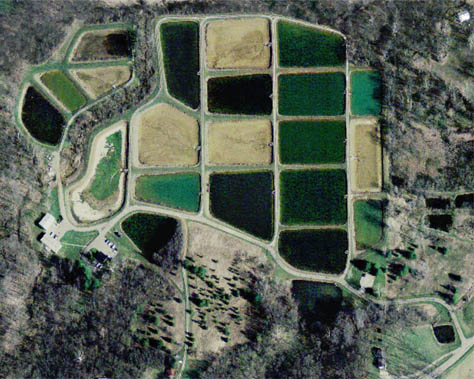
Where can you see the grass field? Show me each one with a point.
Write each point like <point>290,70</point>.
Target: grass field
<point>313,197</point>
<point>367,155</point>
<point>230,94</point>
<point>466,318</point>
<point>64,89</point>
<point>41,119</point>
<point>100,80</point>
<point>227,267</point>
<point>79,238</point>
<point>238,43</point>
<point>180,191</point>
<point>149,232</point>
<point>317,302</point>
<point>103,44</point>
<point>107,173</point>
<point>366,93</point>
<point>368,220</point>
<point>244,200</point>
<point>167,137</point>
<point>311,94</point>
<point>411,349</point>
<point>305,46</point>
<point>180,46</point>
<point>315,250</point>
<point>306,142</point>
<point>240,142</point>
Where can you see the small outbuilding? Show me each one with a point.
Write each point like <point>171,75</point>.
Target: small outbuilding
<point>367,281</point>
<point>48,222</point>
<point>464,16</point>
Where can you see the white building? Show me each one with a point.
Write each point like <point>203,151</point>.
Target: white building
<point>48,222</point>
<point>51,241</point>
<point>366,281</point>
<point>464,16</point>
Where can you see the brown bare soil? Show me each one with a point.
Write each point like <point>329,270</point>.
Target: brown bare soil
<point>167,137</point>
<point>366,156</point>
<point>240,142</point>
<point>102,45</point>
<point>238,43</point>
<point>230,264</point>
<point>100,80</point>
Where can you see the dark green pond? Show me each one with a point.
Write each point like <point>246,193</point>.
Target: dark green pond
<point>249,94</point>
<point>180,44</point>
<point>42,120</point>
<point>244,200</point>
<point>313,197</point>
<point>312,142</point>
<point>311,94</point>
<point>317,302</point>
<point>149,232</point>
<point>315,250</point>
<point>444,333</point>
<point>305,46</point>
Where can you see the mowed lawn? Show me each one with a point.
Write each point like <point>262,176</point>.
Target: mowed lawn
<point>180,191</point>
<point>304,46</point>
<point>368,218</point>
<point>366,93</point>
<point>411,349</point>
<point>311,94</point>
<point>107,174</point>
<point>64,89</point>
<point>306,142</point>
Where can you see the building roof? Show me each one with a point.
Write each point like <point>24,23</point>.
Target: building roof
<point>48,221</point>
<point>367,280</point>
<point>51,243</point>
<point>464,16</point>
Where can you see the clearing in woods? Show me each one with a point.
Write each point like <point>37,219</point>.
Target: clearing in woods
<point>246,142</point>
<point>367,153</point>
<point>167,137</point>
<point>221,269</point>
<point>97,81</point>
<point>238,43</point>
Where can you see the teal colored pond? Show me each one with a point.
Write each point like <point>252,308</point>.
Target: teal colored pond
<point>366,93</point>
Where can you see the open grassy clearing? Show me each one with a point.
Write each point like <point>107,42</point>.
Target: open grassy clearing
<point>465,316</point>
<point>305,46</point>
<point>100,191</point>
<point>100,80</point>
<point>180,46</point>
<point>238,43</point>
<point>368,223</point>
<point>150,232</point>
<point>244,200</point>
<point>107,171</point>
<point>64,89</point>
<point>315,250</point>
<point>54,203</point>
<point>240,142</point>
<point>366,155</point>
<point>317,302</point>
<point>79,238</point>
<point>366,93</point>
<point>102,44</point>
<point>313,197</point>
<point>230,94</point>
<point>411,349</point>
<point>181,191</point>
<point>167,137</point>
<point>464,368</point>
<point>306,142</point>
<point>43,121</point>
<point>221,269</point>
<point>311,94</point>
